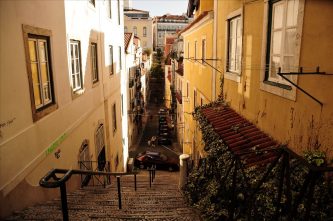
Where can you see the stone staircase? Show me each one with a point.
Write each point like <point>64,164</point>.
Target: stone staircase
<point>163,201</point>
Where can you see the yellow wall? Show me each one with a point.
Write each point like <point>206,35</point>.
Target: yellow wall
<point>302,123</point>
<point>199,77</point>
<point>205,5</point>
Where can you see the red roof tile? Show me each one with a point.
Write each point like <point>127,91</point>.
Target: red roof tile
<point>242,137</point>
<point>127,39</point>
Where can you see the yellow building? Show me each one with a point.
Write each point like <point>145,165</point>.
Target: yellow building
<point>253,43</point>
<point>197,82</point>
<point>286,36</point>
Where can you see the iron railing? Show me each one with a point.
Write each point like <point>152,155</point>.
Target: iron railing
<point>95,180</point>
<point>51,180</point>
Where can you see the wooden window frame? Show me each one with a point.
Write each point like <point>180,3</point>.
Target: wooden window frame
<point>119,12</point>
<point>144,32</point>
<point>46,34</point>
<point>111,60</point>
<point>76,90</point>
<point>109,9</point>
<point>120,55</point>
<point>94,61</point>
<point>114,118</point>
<point>236,71</point>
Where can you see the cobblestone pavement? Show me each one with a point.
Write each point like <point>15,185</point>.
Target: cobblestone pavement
<point>162,201</point>
<point>150,128</point>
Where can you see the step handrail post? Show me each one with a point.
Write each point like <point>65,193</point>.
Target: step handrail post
<point>119,192</point>
<point>135,182</point>
<point>64,206</point>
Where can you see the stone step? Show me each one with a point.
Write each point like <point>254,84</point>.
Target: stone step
<point>163,201</point>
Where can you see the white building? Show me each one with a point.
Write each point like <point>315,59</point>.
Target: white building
<point>166,25</point>
<point>60,93</point>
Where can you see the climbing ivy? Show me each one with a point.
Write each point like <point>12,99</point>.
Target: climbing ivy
<point>210,185</point>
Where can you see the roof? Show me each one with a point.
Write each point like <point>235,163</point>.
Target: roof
<point>127,39</point>
<point>242,137</point>
<point>170,40</point>
<point>172,17</point>
<point>196,20</point>
<point>134,10</point>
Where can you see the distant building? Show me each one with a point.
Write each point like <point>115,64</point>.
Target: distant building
<point>138,22</point>
<point>165,25</point>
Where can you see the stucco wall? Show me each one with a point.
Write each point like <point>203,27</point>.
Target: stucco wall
<point>303,123</point>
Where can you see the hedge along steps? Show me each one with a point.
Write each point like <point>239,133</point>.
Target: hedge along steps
<point>249,176</point>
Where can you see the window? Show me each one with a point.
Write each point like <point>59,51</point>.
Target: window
<point>111,59</point>
<point>108,8</point>
<point>144,31</point>
<point>94,63</point>
<point>125,29</point>
<point>122,105</point>
<point>194,98</point>
<point>99,139</point>
<point>92,2</point>
<point>38,54</point>
<point>234,45</point>
<point>120,64</point>
<point>188,50</point>
<point>76,65</point>
<point>114,118</point>
<point>187,87</point>
<point>281,39</point>
<point>118,12</point>
<point>135,30</point>
<point>203,50</point>
<point>195,50</point>
<point>159,35</point>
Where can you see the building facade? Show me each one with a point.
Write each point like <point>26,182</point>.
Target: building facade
<point>136,87</point>
<point>196,84</point>
<point>265,59</point>
<point>141,24</point>
<point>167,25</point>
<point>288,37</point>
<point>60,94</point>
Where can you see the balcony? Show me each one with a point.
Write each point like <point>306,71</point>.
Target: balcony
<point>180,69</point>
<point>131,83</point>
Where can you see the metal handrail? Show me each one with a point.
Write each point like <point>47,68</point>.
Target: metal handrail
<point>152,174</point>
<point>61,183</point>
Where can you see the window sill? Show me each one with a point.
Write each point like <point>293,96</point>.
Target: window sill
<point>77,93</point>
<point>95,84</point>
<point>37,115</point>
<point>232,76</point>
<point>279,89</point>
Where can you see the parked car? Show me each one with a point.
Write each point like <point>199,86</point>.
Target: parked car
<point>149,158</point>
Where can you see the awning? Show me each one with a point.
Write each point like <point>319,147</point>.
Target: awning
<point>242,137</point>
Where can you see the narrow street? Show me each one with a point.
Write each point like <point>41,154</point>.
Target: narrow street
<point>151,124</point>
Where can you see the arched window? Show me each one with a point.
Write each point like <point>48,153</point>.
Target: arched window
<point>84,156</point>
<point>100,147</point>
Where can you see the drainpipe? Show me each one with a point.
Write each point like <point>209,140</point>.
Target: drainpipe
<point>214,51</point>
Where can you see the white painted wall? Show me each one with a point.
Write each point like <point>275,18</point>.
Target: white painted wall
<point>23,143</point>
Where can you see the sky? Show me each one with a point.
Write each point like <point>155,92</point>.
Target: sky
<point>161,7</point>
